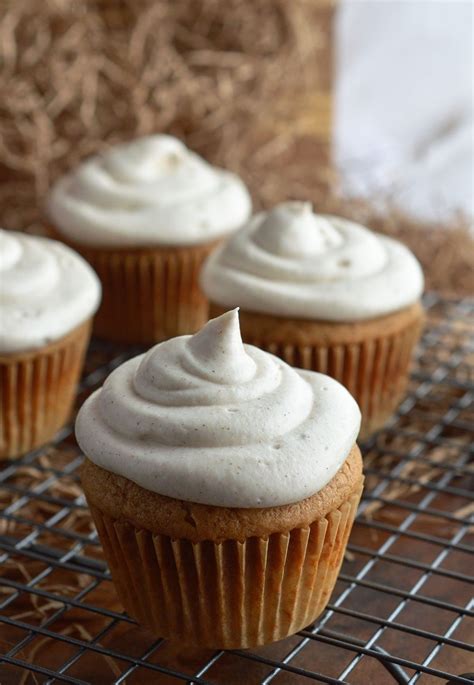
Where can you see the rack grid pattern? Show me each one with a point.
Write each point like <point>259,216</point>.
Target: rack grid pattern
<point>402,610</point>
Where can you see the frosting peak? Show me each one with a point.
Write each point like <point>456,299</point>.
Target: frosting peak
<point>207,419</point>
<point>219,348</point>
<point>10,250</point>
<point>292,262</point>
<point>292,230</point>
<point>146,158</point>
<point>46,290</point>
<point>151,191</point>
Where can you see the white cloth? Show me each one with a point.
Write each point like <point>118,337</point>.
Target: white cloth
<point>404,104</point>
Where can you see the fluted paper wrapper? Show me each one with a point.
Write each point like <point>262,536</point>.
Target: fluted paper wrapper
<point>230,594</point>
<point>375,371</point>
<point>149,294</point>
<point>37,391</point>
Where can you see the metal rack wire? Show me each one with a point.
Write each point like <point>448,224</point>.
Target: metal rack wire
<point>402,610</point>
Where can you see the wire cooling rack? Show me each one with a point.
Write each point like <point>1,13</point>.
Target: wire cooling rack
<point>401,612</point>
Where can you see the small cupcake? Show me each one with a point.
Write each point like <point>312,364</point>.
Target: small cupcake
<point>145,215</point>
<point>48,295</point>
<point>223,484</point>
<point>325,294</point>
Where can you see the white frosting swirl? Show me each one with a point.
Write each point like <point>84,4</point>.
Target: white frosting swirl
<point>46,290</point>
<point>152,191</point>
<point>207,419</point>
<point>292,262</point>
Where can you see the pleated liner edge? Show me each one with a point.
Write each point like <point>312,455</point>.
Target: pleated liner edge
<point>149,294</point>
<point>229,594</point>
<point>37,391</point>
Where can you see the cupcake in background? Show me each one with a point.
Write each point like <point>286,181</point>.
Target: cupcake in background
<point>146,214</point>
<point>223,484</point>
<point>48,296</point>
<point>325,294</point>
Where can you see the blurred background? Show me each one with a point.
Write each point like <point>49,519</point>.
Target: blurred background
<point>363,106</point>
<point>404,104</point>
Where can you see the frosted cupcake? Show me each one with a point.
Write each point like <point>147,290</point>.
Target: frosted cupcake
<point>48,295</point>
<point>325,294</point>
<point>145,214</point>
<point>223,484</point>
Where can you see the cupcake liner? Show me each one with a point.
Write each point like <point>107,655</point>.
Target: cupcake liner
<point>229,594</point>
<point>373,368</point>
<point>149,294</point>
<point>37,391</point>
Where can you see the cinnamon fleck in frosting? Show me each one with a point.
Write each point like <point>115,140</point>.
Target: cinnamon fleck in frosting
<point>151,191</point>
<point>207,419</point>
<point>46,290</point>
<point>292,262</point>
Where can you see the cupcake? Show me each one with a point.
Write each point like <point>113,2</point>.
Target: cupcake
<point>48,296</point>
<point>324,294</point>
<point>145,215</point>
<point>223,484</point>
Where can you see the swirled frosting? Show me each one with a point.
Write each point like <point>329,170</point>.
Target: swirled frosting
<point>46,290</point>
<point>207,419</point>
<point>292,262</point>
<point>152,191</point>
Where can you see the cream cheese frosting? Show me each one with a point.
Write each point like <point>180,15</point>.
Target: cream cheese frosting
<point>292,262</point>
<point>46,290</point>
<point>210,420</point>
<point>152,191</point>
